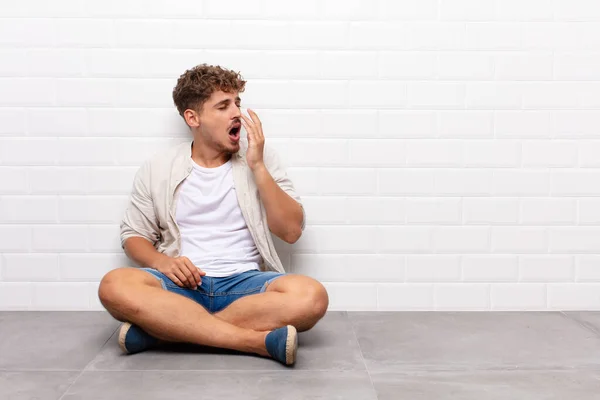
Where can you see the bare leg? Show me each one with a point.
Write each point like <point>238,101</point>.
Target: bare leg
<point>290,300</point>
<point>135,296</point>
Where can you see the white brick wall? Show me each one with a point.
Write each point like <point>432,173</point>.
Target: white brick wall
<point>447,150</point>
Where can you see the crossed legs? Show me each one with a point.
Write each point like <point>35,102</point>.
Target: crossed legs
<point>132,295</point>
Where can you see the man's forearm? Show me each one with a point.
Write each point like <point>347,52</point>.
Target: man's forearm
<point>284,214</point>
<point>142,252</point>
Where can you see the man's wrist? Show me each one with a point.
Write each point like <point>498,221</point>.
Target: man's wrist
<point>259,168</point>
<point>156,260</point>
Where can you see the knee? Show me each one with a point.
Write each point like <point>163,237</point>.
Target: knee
<point>108,291</point>
<point>117,288</point>
<point>315,304</point>
<point>320,300</point>
<point>117,293</point>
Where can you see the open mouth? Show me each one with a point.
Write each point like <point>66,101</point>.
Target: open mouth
<point>234,132</point>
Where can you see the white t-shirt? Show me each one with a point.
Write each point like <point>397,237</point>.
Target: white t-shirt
<point>214,234</point>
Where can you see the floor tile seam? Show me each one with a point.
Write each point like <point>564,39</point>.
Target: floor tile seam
<point>101,347</point>
<point>483,369</point>
<point>373,371</point>
<point>362,356</point>
<point>88,364</point>
<point>226,371</point>
<point>581,323</point>
<point>38,370</point>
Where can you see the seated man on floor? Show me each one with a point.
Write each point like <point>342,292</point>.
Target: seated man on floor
<point>199,225</point>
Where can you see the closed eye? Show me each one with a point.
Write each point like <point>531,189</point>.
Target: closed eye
<point>225,107</point>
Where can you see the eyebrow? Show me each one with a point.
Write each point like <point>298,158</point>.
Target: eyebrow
<point>227,101</point>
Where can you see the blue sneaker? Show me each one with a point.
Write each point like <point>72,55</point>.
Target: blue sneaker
<point>132,339</point>
<point>282,344</point>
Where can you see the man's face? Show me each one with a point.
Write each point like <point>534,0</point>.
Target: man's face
<point>220,124</point>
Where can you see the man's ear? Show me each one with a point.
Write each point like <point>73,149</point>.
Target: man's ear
<point>191,118</point>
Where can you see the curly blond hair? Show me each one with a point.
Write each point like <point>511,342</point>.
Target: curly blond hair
<point>196,85</point>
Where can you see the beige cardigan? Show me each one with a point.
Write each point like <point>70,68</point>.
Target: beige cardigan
<point>151,209</point>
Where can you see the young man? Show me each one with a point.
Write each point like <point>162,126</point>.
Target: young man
<point>199,225</point>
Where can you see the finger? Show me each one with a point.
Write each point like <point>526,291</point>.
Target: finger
<point>250,132</point>
<point>247,120</point>
<point>197,269</point>
<point>180,277</point>
<point>194,271</point>
<point>189,275</point>
<point>258,124</point>
<point>259,134</point>
<point>188,270</point>
<point>247,124</point>
<point>254,116</point>
<point>178,271</point>
<point>175,279</point>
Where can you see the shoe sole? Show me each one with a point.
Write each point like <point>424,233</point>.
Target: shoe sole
<point>291,345</point>
<point>122,333</point>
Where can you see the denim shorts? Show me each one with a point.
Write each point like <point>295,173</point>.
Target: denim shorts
<point>216,293</point>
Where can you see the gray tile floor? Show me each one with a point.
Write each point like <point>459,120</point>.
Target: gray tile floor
<point>393,355</point>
